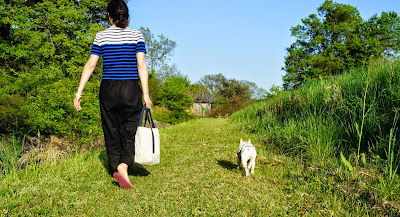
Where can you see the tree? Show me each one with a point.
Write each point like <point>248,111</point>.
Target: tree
<point>176,98</point>
<point>337,39</point>
<point>256,92</point>
<point>158,53</point>
<point>43,46</point>
<point>158,50</point>
<point>50,38</point>
<point>382,34</point>
<point>211,85</point>
<point>228,95</point>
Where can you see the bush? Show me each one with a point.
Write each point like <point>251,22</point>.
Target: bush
<point>176,98</point>
<point>48,108</point>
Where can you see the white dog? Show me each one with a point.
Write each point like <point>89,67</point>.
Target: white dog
<point>247,154</point>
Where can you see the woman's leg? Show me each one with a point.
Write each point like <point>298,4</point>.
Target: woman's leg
<point>110,118</point>
<point>130,100</point>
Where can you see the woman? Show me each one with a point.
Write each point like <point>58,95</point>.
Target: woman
<point>123,52</point>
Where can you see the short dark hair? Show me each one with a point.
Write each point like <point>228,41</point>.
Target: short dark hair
<point>119,12</point>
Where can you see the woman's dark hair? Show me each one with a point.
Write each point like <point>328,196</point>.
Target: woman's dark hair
<point>119,13</point>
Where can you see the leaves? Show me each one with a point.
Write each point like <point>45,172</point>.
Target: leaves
<point>48,33</point>
<point>337,39</point>
<point>346,162</point>
<point>43,47</point>
<point>158,50</point>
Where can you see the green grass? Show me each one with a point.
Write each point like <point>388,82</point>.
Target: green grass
<point>345,128</point>
<point>358,106</point>
<point>10,152</point>
<point>197,176</point>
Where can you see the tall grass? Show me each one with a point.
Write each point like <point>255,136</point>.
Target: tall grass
<point>325,116</point>
<point>10,151</point>
<point>387,183</point>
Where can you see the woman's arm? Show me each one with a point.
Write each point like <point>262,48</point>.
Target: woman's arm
<point>144,77</point>
<point>86,73</point>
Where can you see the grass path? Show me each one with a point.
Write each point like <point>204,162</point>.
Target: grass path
<point>197,176</point>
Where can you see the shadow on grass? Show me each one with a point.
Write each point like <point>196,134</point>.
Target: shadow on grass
<point>134,170</point>
<point>138,170</point>
<point>227,164</point>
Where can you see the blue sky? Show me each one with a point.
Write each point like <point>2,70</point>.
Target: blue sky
<point>244,40</point>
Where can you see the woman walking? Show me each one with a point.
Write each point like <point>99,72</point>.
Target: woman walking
<point>123,52</point>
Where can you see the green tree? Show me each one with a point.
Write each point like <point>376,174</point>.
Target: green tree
<point>43,47</point>
<point>337,39</point>
<point>176,97</point>
<point>48,38</point>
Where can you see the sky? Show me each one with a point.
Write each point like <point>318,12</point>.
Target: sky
<point>243,40</point>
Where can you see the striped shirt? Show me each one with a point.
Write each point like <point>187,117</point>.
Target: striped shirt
<point>118,47</point>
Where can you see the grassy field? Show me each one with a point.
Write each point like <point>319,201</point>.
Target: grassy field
<point>197,176</point>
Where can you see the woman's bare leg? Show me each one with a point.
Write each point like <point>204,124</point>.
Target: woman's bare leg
<point>123,169</point>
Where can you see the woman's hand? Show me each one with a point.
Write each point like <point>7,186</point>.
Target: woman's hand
<point>77,103</point>
<point>147,100</point>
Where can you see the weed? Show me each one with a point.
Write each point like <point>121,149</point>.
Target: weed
<point>387,183</point>
<point>10,152</point>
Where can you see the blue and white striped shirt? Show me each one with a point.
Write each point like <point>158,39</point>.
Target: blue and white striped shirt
<point>118,47</point>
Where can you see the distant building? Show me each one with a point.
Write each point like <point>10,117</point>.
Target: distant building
<point>202,105</point>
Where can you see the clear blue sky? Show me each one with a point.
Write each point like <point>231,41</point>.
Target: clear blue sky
<point>244,40</point>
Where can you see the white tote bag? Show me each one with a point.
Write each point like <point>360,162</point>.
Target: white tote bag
<point>147,141</point>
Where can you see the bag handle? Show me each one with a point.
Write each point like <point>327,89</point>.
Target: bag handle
<point>141,115</point>
<point>148,117</point>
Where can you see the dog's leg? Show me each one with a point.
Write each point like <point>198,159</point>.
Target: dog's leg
<point>244,164</point>
<point>252,163</point>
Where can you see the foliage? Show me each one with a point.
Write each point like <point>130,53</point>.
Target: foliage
<point>158,50</point>
<point>155,86</point>
<point>43,46</point>
<point>10,152</point>
<point>339,106</point>
<point>337,39</point>
<point>49,38</point>
<point>257,93</point>
<point>162,114</point>
<point>227,95</point>
<point>274,91</point>
<point>175,96</point>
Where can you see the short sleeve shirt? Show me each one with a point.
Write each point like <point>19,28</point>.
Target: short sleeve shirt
<point>118,48</point>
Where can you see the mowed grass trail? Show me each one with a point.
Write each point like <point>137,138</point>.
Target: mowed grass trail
<point>197,176</point>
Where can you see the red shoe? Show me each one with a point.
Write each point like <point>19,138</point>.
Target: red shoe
<point>122,180</point>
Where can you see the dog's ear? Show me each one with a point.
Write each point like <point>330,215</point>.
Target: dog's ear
<point>249,141</point>
<point>241,140</point>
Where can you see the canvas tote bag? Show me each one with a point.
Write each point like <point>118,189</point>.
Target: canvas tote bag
<point>147,141</point>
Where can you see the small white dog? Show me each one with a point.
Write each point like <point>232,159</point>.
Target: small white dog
<point>247,154</point>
